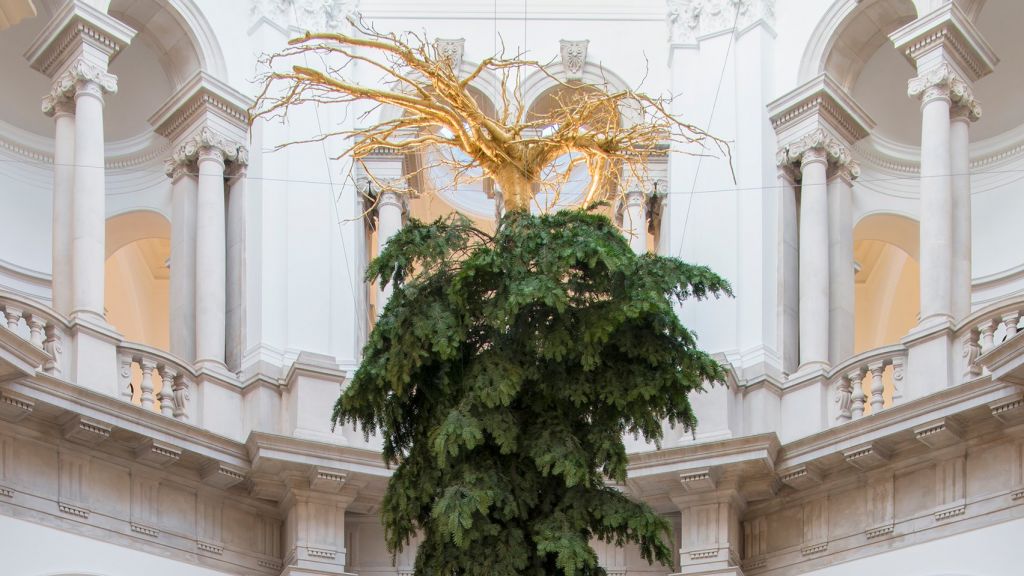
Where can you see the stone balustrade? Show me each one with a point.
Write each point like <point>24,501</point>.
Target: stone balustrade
<point>43,327</point>
<point>867,383</point>
<point>984,331</point>
<point>154,380</point>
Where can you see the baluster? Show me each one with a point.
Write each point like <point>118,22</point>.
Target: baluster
<point>877,386</point>
<point>36,325</point>
<point>856,378</point>
<point>971,351</point>
<point>1010,319</point>
<point>987,330</point>
<point>181,398</point>
<point>167,375</point>
<point>124,377</point>
<point>13,316</point>
<point>898,366</point>
<point>147,366</point>
<point>844,398</point>
<point>54,346</point>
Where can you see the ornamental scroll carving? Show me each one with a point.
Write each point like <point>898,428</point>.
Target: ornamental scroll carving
<point>67,83</point>
<point>574,56</point>
<point>944,82</point>
<point>451,50</point>
<point>316,15</point>
<point>204,140</point>
<point>690,19</point>
<point>836,153</point>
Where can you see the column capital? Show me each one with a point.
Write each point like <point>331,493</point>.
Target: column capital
<point>818,146</point>
<point>379,193</point>
<point>946,36</point>
<point>206,142</point>
<point>81,75</point>
<point>78,30</point>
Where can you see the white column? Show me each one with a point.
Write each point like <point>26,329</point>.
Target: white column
<point>235,287</point>
<point>183,258</point>
<point>960,166</point>
<point>88,213</point>
<point>211,254</point>
<point>634,220</point>
<point>814,259</point>
<point>936,204</point>
<point>841,288</point>
<point>63,187</point>
<point>390,207</point>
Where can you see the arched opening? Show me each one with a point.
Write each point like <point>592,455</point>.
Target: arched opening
<point>138,278</point>
<point>887,281</point>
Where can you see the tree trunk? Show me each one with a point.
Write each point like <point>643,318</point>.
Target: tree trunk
<point>516,189</point>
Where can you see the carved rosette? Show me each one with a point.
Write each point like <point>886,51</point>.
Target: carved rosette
<point>204,142</point>
<point>451,50</point>
<point>944,82</point>
<point>574,56</point>
<point>81,75</point>
<point>819,144</point>
<point>691,19</point>
<point>315,15</point>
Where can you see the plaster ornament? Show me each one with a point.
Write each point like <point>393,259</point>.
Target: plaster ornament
<point>204,141</point>
<point>451,49</point>
<point>316,15</point>
<point>943,81</point>
<point>67,84</point>
<point>574,56</point>
<point>836,154</point>
<point>690,19</point>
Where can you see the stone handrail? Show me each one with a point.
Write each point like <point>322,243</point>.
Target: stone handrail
<point>175,378</point>
<point>38,324</point>
<point>847,380</point>
<point>984,330</point>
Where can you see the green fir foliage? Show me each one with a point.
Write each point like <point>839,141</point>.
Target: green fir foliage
<point>502,375</point>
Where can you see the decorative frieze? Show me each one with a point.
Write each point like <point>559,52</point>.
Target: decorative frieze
<point>689,20</point>
<point>78,28</point>
<point>574,57</point>
<point>312,15</point>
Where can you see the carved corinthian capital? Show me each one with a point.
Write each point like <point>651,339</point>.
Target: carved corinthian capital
<point>815,145</point>
<point>205,141</point>
<point>943,81</point>
<point>68,83</point>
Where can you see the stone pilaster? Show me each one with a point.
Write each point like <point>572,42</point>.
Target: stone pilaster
<point>817,125</point>
<point>314,530</point>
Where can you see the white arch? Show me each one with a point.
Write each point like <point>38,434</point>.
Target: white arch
<point>830,28</point>
<point>537,83</point>
<point>487,83</point>
<point>134,225</point>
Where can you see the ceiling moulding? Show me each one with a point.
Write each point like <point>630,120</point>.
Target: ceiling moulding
<point>77,30</point>
<point>203,100</point>
<point>946,35</point>
<point>819,103</point>
<point>14,11</point>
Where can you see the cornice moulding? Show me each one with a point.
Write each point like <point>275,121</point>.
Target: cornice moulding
<point>945,27</point>
<point>201,94</point>
<point>53,47</point>
<point>823,103</point>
